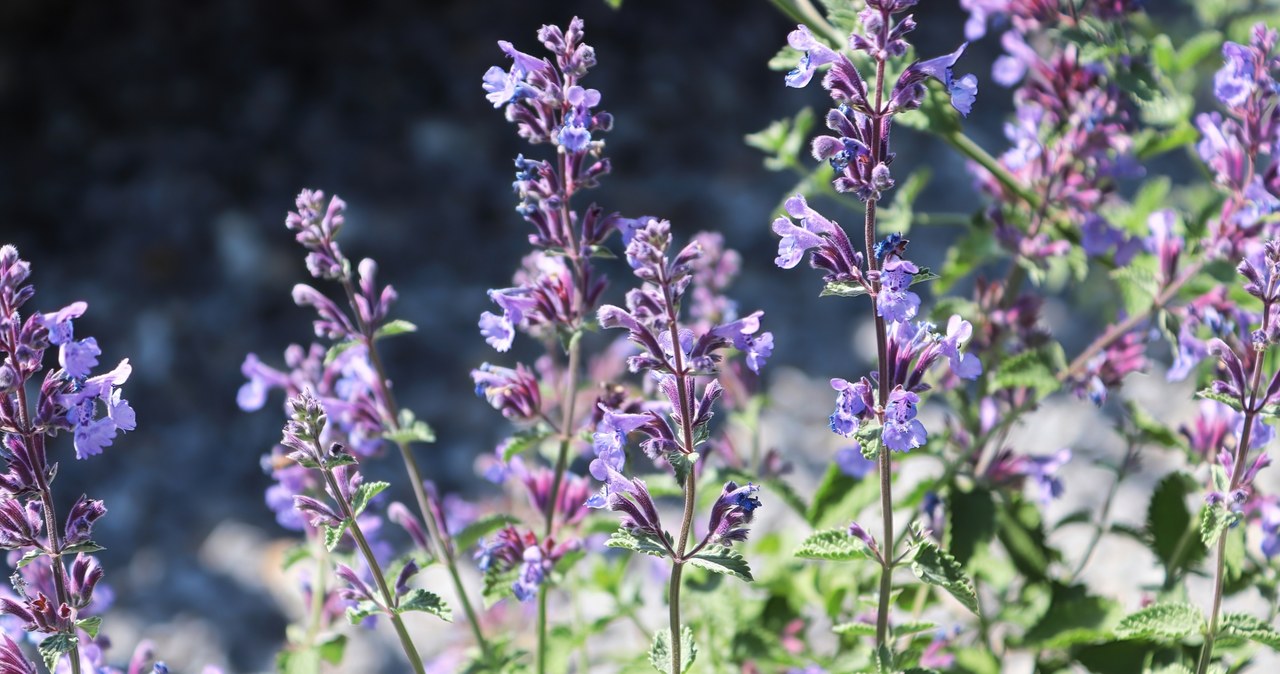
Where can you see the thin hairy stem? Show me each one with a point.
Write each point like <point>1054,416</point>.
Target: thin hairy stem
<point>1237,473</point>
<point>1104,516</point>
<point>376,571</point>
<point>392,419</point>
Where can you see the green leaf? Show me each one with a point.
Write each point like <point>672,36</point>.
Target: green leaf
<point>472,533</point>
<point>294,555</point>
<point>934,116</point>
<point>524,440</point>
<point>1162,622</point>
<point>332,649</point>
<point>855,629</point>
<point>28,557</point>
<point>897,216</point>
<point>1074,617</point>
<point>937,567</point>
<point>365,493</point>
<point>356,614</point>
<point>419,599</point>
<point>660,652</point>
<point>971,250</point>
<point>681,464</point>
<point>628,540</point>
<point>497,584</point>
<point>851,289</point>
<point>973,522</point>
<point>55,646</point>
<point>1214,520</point>
<point>1021,532</point>
<point>1168,522</point>
<point>1029,369</point>
<point>1138,287</point>
<point>870,439</point>
<point>410,430</point>
<point>395,327</point>
<point>784,140</point>
<point>90,625</point>
<point>1245,626</point>
<point>1150,428</point>
<point>304,661</point>
<point>834,545</point>
<point>332,535</point>
<point>907,629</point>
<point>87,547</point>
<point>1230,401</point>
<point>1196,49</point>
<point>338,349</point>
<point>722,560</point>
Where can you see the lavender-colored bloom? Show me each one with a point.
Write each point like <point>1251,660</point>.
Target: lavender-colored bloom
<point>515,393</point>
<point>12,661</point>
<point>965,366</point>
<point>532,572</point>
<point>896,303</point>
<point>815,54</point>
<point>853,404</point>
<point>503,86</point>
<point>497,331</point>
<point>59,323</point>
<point>909,91</point>
<point>80,520</point>
<point>979,12</point>
<point>1270,520</point>
<point>852,463</point>
<point>743,334</point>
<point>902,431</point>
<point>1234,82</point>
<point>92,433</point>
<point>1043,471</point>
<point>732,512</point>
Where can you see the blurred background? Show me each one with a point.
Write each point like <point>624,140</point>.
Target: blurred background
<point>151,149</point>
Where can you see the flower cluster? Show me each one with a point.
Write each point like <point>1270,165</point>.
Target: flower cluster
<point>50,599</point>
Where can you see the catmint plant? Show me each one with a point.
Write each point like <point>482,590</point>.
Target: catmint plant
<point>54,603</point>
<point>556,291</point>
<point>880,409</point>
<point>343,412</point>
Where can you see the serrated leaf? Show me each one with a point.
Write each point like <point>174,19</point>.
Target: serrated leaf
<point>395,327</point>
<point>28,557</point>
<point>833,545</point>
<point>1168,522</point>
<point>628,540</point>
<point>419,599</point>
<point>906,629</point>
<point>722,560</point>
<point>472,533</point>
<point>1245,626</point>
<point>55,646</point>
<point>364,494</point>
<point>524,440</point>
<point>1151,428</point>
<point>90,625</point>
<point>1074,617</point>
<point>1214,520</point>
<point>338,349</point>
<point>333,535</point>
<point>851,289</point>
<point>660,651</point>
<point>497,584</point>
<point>937,567</point>
<point>1230,401</point>
<point>1138,288</point>
<point>332,649</point>
<point>87,547</point>
<point>410,430</point>
<point>1029,369</point>
<point>973,522</point>
<point>356,614</point>
<point>1162,622</point>
<point>855,629</point>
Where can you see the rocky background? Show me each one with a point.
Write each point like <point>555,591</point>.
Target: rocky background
<point>150,150</point>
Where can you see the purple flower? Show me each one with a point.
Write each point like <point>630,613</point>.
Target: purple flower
<point>513,392</point>
<point>852,463</point>
<point>732,512</point>
<point>1270,516</point>
<point>902,431</point>
<point>853,405</point>
<point>497,331</point>
<point>503,86</point>
<point>12,661</point>
<point>1043,471</point>
<point>532,571</point>
<point>964,366</point>
<point>815,54</point>
<point>59,324</point>
<point>92,433</point>
<point>909,91</point>
<point>895,302</point>
<point>1234,82</point>
<point>742,332</point>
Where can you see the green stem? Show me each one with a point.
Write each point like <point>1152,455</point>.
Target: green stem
<point>1104,516</point>
<point>318,590</point>
<point>376,571</point>
<point>438,535</point>
<point>972,150</point>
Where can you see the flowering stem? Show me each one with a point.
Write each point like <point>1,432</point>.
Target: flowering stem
<point>318,592</point>
<point>375,570</point>
<point>392,419</point>
<point>562,464</point>
<point>36,441</point>
<point>972,150</point>
<point>685,395</point>
<point>1237,473</point>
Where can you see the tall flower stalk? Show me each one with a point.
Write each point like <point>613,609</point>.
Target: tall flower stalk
<point>559,288</point>
<point>51,600</point>
<point>880,411</point>
<point>350,380</point>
